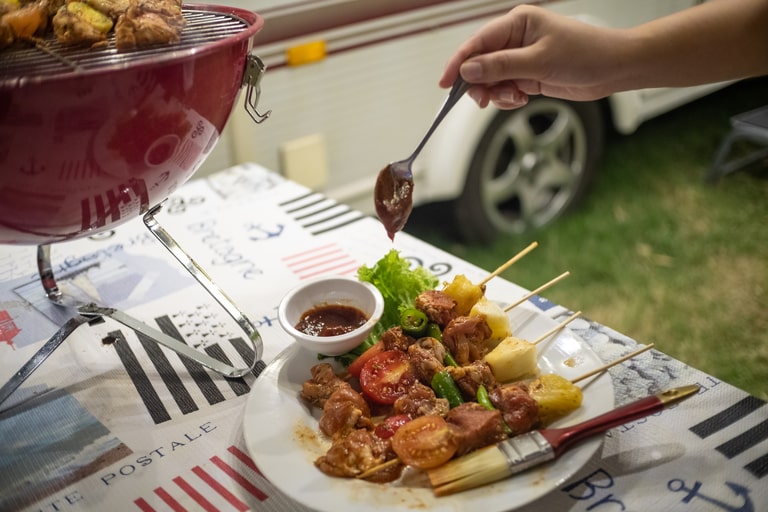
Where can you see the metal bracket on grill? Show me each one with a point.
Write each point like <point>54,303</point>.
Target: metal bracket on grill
<point>254,338</point>
<point>254,70</point>
<point>92,313</point>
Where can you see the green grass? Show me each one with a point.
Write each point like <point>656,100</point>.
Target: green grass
<point>656,253</point>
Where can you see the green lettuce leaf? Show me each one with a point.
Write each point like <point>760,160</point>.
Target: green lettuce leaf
<point>399,284</point>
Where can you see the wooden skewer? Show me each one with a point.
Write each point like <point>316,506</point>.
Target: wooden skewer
<point>556,328</point>
<point>488,464</point>
<point>376,469</point>
<point>613,363</point>
<point>392,462</point>
<point>514,259</point>
<point>537,290</point>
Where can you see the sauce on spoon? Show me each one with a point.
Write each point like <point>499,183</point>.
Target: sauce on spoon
<point>393,199</point>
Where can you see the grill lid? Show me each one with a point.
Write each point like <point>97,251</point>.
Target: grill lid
<point>48,57</point>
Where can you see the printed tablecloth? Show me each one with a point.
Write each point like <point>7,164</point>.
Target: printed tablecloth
<point>112,422</point>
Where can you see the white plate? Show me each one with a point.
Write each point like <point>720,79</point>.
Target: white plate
<point>282,435</point>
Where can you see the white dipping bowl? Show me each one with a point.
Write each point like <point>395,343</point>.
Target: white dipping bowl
<point>330,290</point>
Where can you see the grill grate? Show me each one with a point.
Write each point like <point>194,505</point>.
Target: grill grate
<point>49,57</point>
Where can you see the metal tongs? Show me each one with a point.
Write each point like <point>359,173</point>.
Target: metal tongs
<point>92,313</point>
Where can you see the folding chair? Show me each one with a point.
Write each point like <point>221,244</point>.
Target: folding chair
<point>751,126</point>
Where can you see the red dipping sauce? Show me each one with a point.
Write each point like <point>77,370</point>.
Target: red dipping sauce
<point>331,320</point>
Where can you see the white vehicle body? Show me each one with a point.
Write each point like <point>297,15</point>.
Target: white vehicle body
<point>369,95</point>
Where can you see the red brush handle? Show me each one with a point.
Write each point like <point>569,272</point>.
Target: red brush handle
<point>562,439</point>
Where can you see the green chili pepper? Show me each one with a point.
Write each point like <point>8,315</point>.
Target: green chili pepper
<point>414,322</point>
<point>485,400</point>
<point>433,330</point>
<point>445,387</point>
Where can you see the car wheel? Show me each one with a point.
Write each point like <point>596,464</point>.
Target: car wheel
<point>531,165</point>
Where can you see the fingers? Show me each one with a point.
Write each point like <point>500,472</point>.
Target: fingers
<point>531,51</point>
<point>480,95</point>
<point>488,56</point>
<point>505,96</point>
<point>506,64</point>
<point>451,71</point>
<point>499,33</point>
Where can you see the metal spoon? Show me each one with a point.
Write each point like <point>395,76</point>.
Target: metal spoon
<point>394,185</point>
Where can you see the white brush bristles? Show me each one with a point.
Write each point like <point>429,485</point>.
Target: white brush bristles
<point>475,469</point>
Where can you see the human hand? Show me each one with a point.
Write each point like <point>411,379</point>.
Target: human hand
<point>531,50</point>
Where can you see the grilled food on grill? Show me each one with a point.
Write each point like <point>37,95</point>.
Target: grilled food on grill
<point>112,8</point>
<point>149,22</point>
<point>78,24</point>
<point>136,23</point>
<point>22,21</point>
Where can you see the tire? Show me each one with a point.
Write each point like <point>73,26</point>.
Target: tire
<point>531,165</point>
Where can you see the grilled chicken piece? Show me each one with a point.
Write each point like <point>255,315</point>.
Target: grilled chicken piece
<point>52,6</point>
<point>344,411</point>
<point>78,24</point>
<point>6,35</point>
<point>137,23</point>
<point>519,410</point>
<point>7,6</point>
<point>321,386</point>
<point>471,376</point>
<point>426,356</point>
<point>112,8</point>
<point>474,426</point>
<point>439,307</point>
<point>357,452</point>
<point>149,22</point>
<point>421,401</point>
<point>26,21</point>
<point>21,21</point>
<point>465,337</point>
<point>395,339</point>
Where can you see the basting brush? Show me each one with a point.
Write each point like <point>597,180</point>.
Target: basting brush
<point>521,452</point>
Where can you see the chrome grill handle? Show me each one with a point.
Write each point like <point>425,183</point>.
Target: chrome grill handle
<point>254,70</point>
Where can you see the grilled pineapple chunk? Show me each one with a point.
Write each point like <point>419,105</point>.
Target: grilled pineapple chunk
<point>495,316</point>
<point>464,292</point>
<point>557,397</point>
<point>513,359</point>
<point>91,16</point>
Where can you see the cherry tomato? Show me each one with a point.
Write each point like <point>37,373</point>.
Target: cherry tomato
<point>389,426</point>
<point>425,442</point>
<point>387,376</point>
<point>357,365</point>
